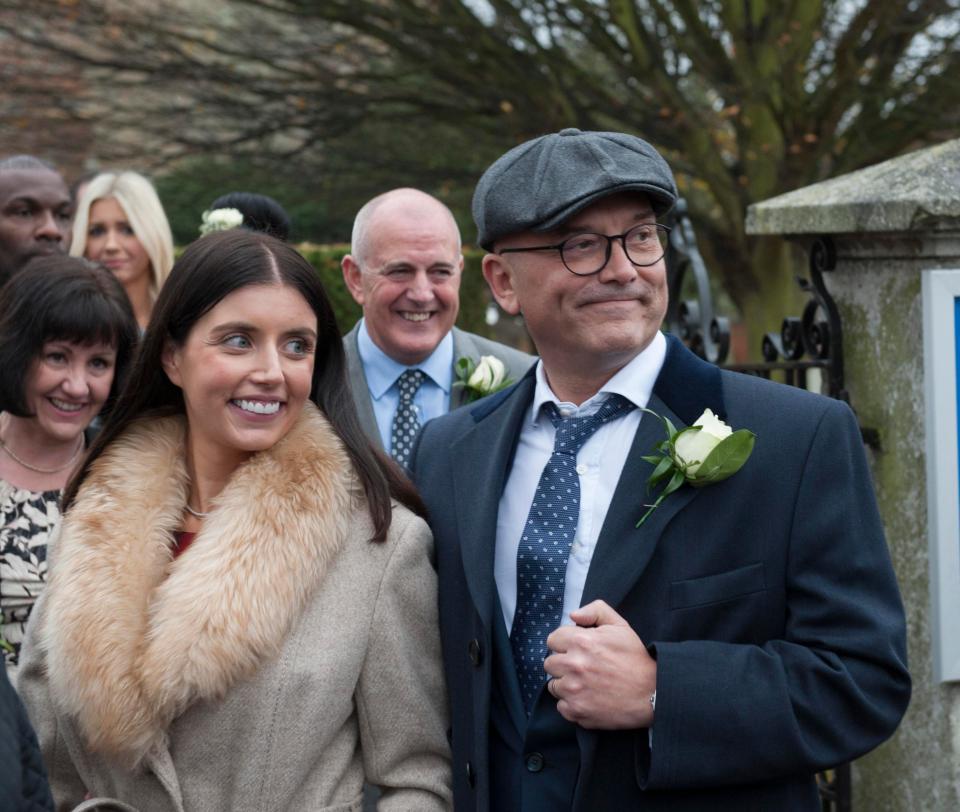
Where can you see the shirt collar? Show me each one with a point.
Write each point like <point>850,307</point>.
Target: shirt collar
<point>635,382</point>
<point>382,371</point>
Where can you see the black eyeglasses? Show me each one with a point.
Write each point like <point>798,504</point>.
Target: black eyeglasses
<point>588,253</point>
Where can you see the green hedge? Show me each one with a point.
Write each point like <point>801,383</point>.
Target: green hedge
<point>474,294</point>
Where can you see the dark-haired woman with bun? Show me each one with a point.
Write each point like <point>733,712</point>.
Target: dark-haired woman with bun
<point>67,333</point>
<point>241,612</point>
<point>248,210</point>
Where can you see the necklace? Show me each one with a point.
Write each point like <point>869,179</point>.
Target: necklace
<point>36,469</point>
<point>197,513</point>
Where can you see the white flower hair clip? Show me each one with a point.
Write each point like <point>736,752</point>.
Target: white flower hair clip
<point>220,220</point>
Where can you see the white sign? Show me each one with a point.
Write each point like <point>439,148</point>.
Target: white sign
<point>941,356</point>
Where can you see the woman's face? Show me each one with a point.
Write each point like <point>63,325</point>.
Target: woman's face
<point>68,385</point>
<point>111,242</point>
<point>246,370</point>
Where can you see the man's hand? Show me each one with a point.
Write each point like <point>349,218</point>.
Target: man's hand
<point>602,674</point>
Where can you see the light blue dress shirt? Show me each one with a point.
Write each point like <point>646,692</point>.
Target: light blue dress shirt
<point>381,371</point>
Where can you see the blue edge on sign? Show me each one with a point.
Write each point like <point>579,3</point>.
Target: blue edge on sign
<point>956,361</point>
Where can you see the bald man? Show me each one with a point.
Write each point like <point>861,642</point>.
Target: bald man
<point>404,270</point>
<point>35,211</point>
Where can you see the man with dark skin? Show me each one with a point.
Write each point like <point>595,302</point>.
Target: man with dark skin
<point>35,209</point>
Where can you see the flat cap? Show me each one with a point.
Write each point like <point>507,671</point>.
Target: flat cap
<point>542,183</point>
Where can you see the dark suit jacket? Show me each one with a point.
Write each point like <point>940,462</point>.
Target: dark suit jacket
<point>464,345</point>
<point>768,600</point>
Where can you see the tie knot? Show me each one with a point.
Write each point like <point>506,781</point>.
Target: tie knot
<point>573,432</point>
<point>408,383</point>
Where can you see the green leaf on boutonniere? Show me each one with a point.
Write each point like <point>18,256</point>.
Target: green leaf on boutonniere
<point>702,454</point>
<point>726,459</point>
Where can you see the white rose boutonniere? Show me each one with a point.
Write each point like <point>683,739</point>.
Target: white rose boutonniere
<point>220,220</point>
<point>709,451</point>
<point>481,379</point>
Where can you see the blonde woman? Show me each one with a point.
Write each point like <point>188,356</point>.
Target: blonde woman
<point>121,224</point>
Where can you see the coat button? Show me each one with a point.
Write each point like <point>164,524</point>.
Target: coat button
<point>473,649</point>
<point>471,776</point>
<point>534,762</point>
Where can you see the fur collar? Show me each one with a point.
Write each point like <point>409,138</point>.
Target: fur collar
<point>134,637</point>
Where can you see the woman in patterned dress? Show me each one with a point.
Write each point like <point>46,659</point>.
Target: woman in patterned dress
<point>66,334</point>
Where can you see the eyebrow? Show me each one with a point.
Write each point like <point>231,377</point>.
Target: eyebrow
<point>32,201</point>
<point>246,327</point>
<point>401,264</point>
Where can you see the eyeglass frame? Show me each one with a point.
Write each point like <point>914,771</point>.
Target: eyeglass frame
<point>608,237</point>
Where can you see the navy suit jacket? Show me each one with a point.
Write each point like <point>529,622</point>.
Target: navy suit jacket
<point>768,600</point>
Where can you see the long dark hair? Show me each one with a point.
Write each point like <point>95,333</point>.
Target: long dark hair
<point>61,298</point>
<point>210,269</point>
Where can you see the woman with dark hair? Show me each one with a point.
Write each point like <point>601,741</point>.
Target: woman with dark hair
<point>249,210</point>
<point>242,611</point>
<point>67,333</point>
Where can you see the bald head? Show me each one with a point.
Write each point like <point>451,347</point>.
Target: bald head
<point>399,206</point>
<point>404,271</point>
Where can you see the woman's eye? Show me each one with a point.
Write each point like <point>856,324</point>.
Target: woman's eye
<point>55,358</point>
<point>238,342</point>
<point>96,231</point>
<point>101,364</point>
<point>298,346</point>
<point>127,230</point>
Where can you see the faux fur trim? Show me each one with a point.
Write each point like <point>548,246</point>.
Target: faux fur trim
<point>133,637</point>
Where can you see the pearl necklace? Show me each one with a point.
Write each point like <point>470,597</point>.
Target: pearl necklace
<point>38,470</point>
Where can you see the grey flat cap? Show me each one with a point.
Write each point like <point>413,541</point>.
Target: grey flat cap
<point>542,183</point>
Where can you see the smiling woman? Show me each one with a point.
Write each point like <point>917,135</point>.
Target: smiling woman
<point>276,589</point>
<point>121,224</point>
<point>66,337</point>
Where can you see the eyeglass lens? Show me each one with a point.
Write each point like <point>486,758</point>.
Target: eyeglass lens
<point>588,253</point>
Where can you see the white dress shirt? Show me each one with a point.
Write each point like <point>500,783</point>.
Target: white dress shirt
<point>599,465</point>
<point>381,371</point>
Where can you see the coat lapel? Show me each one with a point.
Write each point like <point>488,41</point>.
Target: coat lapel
<point>463,347</point>
<point>685,387</point>
<point>359,388</point>
<point>623,549</point>
<point>483,458</point>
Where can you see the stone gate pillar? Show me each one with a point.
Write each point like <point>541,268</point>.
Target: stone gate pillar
<point>889,224</point>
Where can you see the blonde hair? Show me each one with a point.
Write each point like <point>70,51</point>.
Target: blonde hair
<point>140,203</point>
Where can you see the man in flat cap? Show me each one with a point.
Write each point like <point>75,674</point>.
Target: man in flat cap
<point>404,269</point>
<point>35,211</point>
<point>714,653</point>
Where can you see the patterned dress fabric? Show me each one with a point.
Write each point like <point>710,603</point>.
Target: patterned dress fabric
<point>545,545</point>
<point>406,423</point>
<point>27,520</point>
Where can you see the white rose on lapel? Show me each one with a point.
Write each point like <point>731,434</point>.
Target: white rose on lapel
<point>481,379</point>
<point>709,451</point>
<point>693,446</point>
<point>488,375</point>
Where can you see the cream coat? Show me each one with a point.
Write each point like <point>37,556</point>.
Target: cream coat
<point>274,665</point>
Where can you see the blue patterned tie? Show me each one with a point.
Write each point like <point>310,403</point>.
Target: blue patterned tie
<point>545,543</point>
<point>406,423</point>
